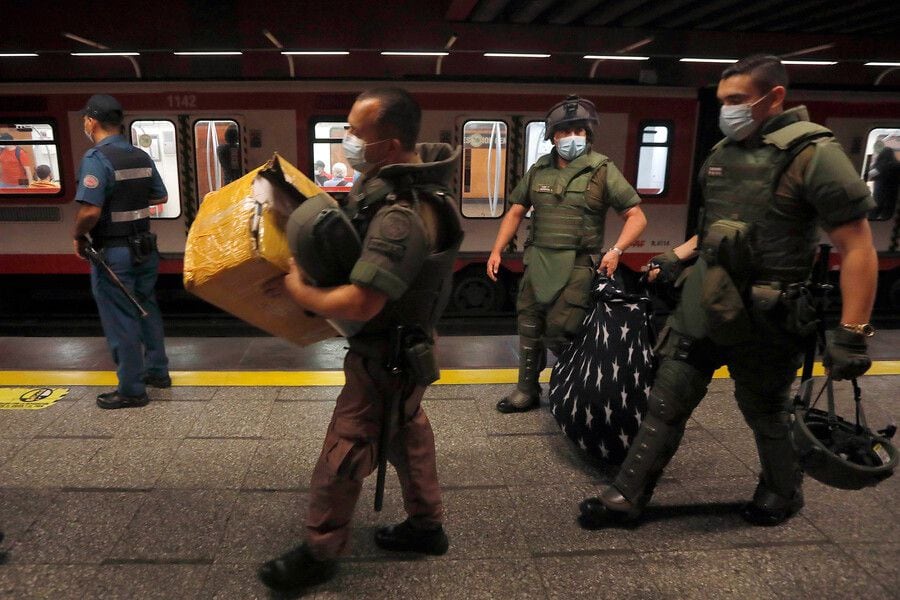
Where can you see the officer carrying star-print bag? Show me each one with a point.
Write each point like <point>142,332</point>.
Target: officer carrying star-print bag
<point>599,386</point>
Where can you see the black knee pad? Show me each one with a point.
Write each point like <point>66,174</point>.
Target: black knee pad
<point>677,390</point>
<point>530,326</point>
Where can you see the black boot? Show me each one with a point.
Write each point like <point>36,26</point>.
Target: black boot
<point>527,395</point>
<point>405,537</point>
<point>295,569</point>
<point>768,509</point>
<point>519,401</point>
<point>610,509</point>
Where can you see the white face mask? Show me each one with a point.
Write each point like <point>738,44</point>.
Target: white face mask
<point>88,135</point>
<point>355,152</point>
<point>736,121</point>
<point>571,147</point>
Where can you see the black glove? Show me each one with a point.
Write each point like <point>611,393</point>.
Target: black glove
<point>845,354</point>
<point>669,265</point>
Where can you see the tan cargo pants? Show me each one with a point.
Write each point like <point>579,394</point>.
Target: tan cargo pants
<point>350,454</point>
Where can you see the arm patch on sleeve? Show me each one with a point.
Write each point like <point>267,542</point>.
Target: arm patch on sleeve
<point>395,226</point>
<point>389,249</point>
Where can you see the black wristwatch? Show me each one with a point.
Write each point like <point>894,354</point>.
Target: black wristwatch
<point>865,329</point>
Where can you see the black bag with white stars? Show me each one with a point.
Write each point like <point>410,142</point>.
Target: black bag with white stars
<point>600,383</point>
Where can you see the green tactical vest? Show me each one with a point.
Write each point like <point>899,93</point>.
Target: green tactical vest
<point>563,218</point>
<point>739,183</point>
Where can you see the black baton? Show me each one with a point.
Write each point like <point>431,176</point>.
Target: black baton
<point>391,410</point>
<point>95,258</point>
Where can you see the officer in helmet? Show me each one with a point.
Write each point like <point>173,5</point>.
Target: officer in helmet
<point>570,190</point>
<point>399,281</point>
<point>767,187</point>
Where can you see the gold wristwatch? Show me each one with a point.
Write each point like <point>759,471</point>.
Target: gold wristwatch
<point>865,329</point>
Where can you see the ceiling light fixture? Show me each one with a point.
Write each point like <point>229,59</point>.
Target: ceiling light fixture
<point>209,53</point>
<point>106,53</point>
<point>315,52</point>
<point>403,53</point>
<point>17,54</point>
<point>809,62</point>
<point>709,60</point>
<point>515,55</point>
<point>882,64</point>
<point>614,57</point>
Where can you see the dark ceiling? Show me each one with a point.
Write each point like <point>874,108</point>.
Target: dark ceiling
<point>851,33</point>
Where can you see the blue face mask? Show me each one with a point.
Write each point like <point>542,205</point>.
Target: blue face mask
<point>571,147</point>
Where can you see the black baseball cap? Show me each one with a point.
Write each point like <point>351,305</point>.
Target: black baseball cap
<point>105,109</point>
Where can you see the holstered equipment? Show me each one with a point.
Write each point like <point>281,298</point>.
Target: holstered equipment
<point>727,252</point>
<point>411,354</point>
<point>141,246</point>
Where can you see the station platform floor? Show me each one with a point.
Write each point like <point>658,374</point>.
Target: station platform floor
<point>185,497</point>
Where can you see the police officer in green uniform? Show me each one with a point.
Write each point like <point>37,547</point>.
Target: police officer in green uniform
<point>570,190</point>
<point>767,187</point>
<point>393,293</point>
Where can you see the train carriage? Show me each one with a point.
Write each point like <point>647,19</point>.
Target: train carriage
<point>198,132</point>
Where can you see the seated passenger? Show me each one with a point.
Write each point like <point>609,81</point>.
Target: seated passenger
<point>43,178</point>
<point>339,176</point>
<point>15,163</point>
<point>321,174</point>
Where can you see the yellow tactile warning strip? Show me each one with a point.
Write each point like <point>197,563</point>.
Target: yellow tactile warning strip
<point>310,378</point>
<point>30,398</point>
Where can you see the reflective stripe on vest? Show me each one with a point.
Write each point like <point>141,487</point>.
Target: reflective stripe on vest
<point>126,208</point>
<point>739,183</point>
<point>126,174</point>
<point>129,215</point>
<point>562,218</point>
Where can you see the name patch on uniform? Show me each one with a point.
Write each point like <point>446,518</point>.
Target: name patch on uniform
<point>90,181</point>
<point>715,171</point>
<point>544,188</point>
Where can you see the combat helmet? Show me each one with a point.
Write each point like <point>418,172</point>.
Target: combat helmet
<point>837,452</point>
<point>572,110</point>
<point>323,241</point>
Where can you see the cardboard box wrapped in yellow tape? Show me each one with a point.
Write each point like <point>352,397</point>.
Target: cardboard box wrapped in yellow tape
<point>236,245</point>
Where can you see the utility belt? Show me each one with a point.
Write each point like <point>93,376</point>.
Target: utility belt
<point>141,245</point>
<point>734,301</point>
<point>412,352</point>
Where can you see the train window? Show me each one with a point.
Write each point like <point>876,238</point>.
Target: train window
<point>29,159</point>
<point>653,157</point>
<point>217,147</point>
<point>881,170</point>
<point>157,138</point>
<point>535,144</point>
<point>330,168</point>
<point>484,169</point>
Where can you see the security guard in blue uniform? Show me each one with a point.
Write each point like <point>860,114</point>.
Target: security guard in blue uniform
<point>117,184</point>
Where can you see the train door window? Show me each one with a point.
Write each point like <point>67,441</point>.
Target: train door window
<point>157,138</point>
<point>330,168</point>
<point>217,147</point>
<point>535,144</point>
<point>881,171</point>
<point>484,169</point>
<point>29,159</point>
<point>655,139</point>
